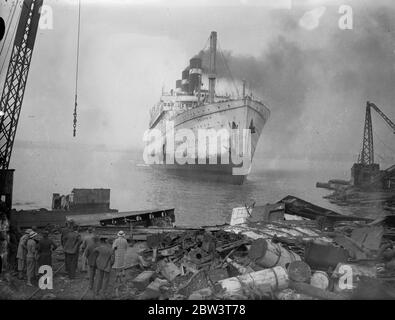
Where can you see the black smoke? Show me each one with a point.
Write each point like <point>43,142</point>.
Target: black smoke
<point>324,76</point>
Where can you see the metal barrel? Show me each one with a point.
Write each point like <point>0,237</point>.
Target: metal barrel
<point>268,254</point>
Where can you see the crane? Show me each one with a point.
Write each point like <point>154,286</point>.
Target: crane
<point>14,89</point>
<point>16,78</point>
<point>366,172</point>
<point>367,154</point>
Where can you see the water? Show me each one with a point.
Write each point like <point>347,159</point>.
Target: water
<point>134,186</point>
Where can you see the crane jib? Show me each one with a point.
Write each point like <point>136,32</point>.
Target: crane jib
<point>381,113</point>
<point>16,77</point>
<point>367,153</point>
<point>30,7</point>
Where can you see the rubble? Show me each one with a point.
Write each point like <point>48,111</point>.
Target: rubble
<point>154,289</point>
<point>299,271</point>
<point>169,270</point>
<point>196,282</point>
<point>282,251</point>
<point>241,269</point>
<point>324,256</point>
<point>202,294</point>
<point>143,279</point>
<point>320,279</point>
<point>263,281</point>
<point>290,294</point>
<point>279,251</point>
<point>216,275</point>
<point>267,254</point>
<point>315,292</point>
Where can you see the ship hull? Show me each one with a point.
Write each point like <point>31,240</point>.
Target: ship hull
<point>204,172</point>
<point>232,116</point>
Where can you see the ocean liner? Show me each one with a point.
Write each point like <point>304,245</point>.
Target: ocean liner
<point>219,133</point>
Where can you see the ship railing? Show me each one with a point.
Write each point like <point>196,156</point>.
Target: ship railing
<point>161,107</point>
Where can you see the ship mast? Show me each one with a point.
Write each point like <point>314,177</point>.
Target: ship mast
<point>212,75</point>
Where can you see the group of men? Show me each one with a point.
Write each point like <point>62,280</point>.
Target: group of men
<point>23,253</point>
<point>4,241</point>
<point>99,257</point>
<point>34,250</point>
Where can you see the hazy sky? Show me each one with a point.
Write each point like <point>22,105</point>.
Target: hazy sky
<point>314,76</point>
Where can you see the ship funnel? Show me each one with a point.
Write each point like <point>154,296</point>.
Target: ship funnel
<point>178,85</point>
<point>185,80</point>
<point>195,71</point>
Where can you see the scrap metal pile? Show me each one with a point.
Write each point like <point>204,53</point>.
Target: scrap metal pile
<point>288,250</point>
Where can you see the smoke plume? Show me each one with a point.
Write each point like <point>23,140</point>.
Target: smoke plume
<point>317,82</point>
